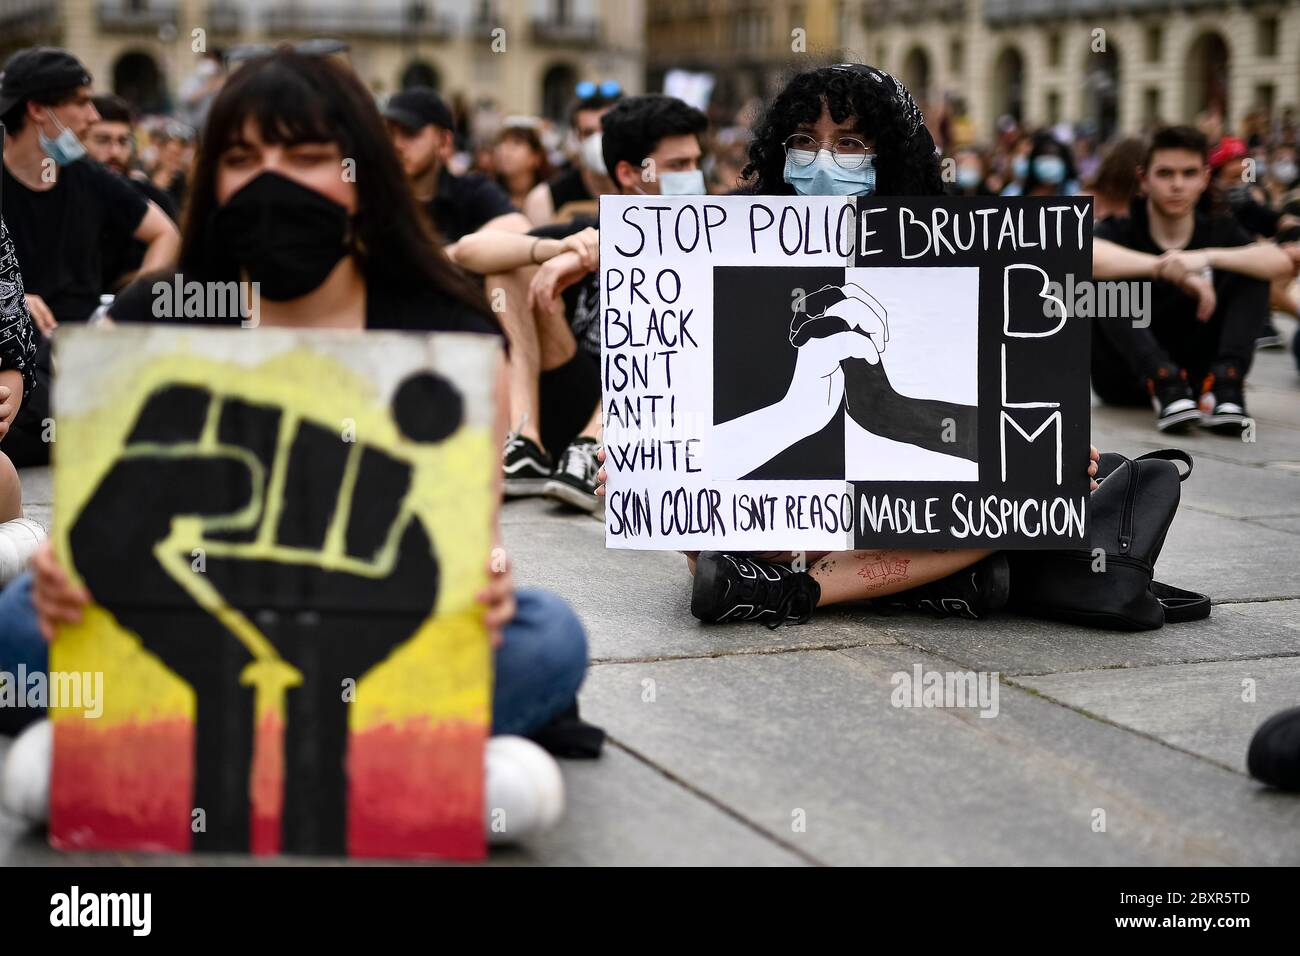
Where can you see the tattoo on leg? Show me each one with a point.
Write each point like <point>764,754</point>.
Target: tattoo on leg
<point>882,571</point>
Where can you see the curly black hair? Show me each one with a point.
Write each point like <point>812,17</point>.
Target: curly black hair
<point>906,163</point>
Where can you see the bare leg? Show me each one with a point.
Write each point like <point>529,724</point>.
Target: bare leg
<point>596,427</point>
<point>11,490</point>
<point>858,575</point>
<point>539,341</point>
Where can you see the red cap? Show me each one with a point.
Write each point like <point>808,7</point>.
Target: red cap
<point>1229,148</point>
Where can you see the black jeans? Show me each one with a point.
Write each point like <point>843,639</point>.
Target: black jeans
<point>1124,357</point>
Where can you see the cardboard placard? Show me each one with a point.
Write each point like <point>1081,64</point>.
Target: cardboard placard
<point>796,373</point>
<point>282,534</point>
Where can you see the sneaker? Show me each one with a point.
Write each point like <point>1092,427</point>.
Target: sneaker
<point>731,587</point>
<point>1173,401</point>
<point>972,593</point>
<point>25,781</point>
<point>1269,337</point>
<point>574,481</point>
<point>1223,405</point>
<point>527,468</point>
<point>523,791</point>
<point>19,540</point>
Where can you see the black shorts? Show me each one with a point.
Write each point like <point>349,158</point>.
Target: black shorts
<point>568,396</point>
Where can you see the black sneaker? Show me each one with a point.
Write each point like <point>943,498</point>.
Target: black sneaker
<point>1223,405</point>
<point>1173,400</point>
<point>574,480</point>
<point>1269,337</point>
<point>972,592</point>
<point>527,468</point>
<point>732,587</point>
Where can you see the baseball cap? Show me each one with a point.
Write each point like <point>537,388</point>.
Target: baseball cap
<point>39,69</point>
<point>1228,149</point>
<point>417,108</point>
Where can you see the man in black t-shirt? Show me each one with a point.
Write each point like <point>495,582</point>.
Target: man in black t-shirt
<point>1211,299</point>
<point>554,335</point>
<point>63,212</point>
<point>111,143</point>
<point>421,127</point>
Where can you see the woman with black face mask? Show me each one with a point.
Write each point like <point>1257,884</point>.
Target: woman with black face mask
<point>849,130</point>
<point>298,195</point>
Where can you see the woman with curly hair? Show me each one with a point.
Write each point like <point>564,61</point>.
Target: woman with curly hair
<point>845,130</point>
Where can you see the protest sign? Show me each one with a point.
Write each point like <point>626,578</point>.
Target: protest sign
<point>799,373</point>
<point>282,534</point>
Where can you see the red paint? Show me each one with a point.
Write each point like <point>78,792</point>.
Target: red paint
<point>125,786</point>
<point>266,785</point>
<point>416,791</point>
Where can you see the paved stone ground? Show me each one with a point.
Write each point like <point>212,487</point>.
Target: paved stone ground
<point>750,730</point>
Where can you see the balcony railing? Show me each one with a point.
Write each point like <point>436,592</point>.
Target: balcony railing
<point>412,19</point>
<point>552,31</point>
<point>134,15</point>
<point>225,16</point>
<point>1007,12</point>
<point>24,18</point>
<point>885,12</point>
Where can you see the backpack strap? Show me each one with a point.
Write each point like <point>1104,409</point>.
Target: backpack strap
<point>1172,454</point>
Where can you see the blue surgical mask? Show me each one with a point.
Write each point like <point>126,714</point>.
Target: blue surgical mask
<point>1050,169</point>
<point>1020,167</point>
<point>682,183</point>
<point>825,177</point>
<point>968,177</point>
<point>65,148</point>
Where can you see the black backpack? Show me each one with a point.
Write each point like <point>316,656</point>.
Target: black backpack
<point>1130,513</point>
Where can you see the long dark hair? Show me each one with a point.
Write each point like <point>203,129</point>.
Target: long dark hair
<point>297,98</point>
<point>906,164</point>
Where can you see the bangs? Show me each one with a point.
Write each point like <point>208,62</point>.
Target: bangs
<point>287,107</point>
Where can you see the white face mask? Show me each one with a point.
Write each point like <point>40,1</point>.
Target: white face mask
<point>592,157</point>
<point>685,183</point>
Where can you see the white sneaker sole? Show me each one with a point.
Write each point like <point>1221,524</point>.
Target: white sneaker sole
<point>525,487</point>
<point>562,491</point>
<point>1179,421</point>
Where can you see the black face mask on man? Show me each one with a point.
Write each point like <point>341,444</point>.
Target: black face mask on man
<point>284,236</point>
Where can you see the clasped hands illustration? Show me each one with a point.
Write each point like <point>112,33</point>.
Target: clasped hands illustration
<point>831,326</point>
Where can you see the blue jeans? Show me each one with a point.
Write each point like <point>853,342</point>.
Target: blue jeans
<point>539,665</point>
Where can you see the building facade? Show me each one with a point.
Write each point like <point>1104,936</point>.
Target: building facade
<point>525,56</point>
<point>1117,65</point>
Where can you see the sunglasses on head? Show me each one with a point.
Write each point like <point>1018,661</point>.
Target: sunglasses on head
<point>314,47</point>
<point>587,89</point>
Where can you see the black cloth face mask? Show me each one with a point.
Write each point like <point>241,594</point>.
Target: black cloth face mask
<point>285,236</point>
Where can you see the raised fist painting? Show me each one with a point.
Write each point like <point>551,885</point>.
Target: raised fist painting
<point>282,535</point>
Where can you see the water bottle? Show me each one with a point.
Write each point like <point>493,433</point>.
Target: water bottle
<point>99,316</point>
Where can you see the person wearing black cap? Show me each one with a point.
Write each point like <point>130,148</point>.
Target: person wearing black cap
<point>62,213</point>
<point>421,126</point>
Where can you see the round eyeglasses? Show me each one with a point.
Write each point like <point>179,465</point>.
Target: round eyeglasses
<point>849,153</point>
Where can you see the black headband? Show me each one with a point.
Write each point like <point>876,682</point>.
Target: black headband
<point>911,112</point>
